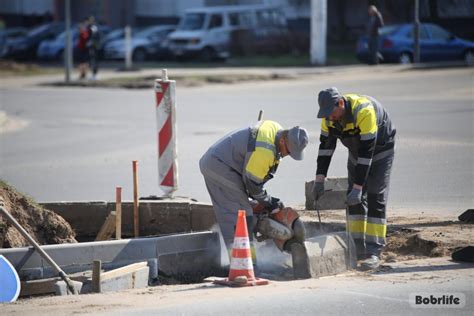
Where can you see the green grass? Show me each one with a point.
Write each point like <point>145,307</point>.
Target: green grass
<point>10,68</point>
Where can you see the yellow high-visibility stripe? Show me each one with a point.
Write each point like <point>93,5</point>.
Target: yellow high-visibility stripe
<point>253,251</point>
<point>263,159</point>
<point>357,226</point>
<point>378,230</point>
<point>260,163</point>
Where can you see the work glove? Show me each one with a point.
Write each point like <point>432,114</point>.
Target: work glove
<point>275,203</point>
<point>354,197</point>
<point>318,189</point>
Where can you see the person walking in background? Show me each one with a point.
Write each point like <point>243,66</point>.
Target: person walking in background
<point>375,22</point>
<point>364,127</point>
<point>93,43</point>
<point>82,50</point>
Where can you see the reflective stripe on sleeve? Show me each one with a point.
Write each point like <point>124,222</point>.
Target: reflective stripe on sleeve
<point>326,152</point>
<point>268,146</point>
<point>368,136</point>
<point>364,161</point>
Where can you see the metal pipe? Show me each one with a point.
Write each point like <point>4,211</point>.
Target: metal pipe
<point>416,31</point>
<point>42,253</point>
<point>67,54</point>
<point>136,225</point>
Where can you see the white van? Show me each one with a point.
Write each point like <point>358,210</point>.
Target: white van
<point>207,32</point>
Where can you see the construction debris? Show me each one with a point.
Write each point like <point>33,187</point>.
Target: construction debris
<point>45,226</point>
<point>467,216</point>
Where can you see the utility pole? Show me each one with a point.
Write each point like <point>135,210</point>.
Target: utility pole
<point>318,32</point>
<point>67,55</point>
<point>416,33</point>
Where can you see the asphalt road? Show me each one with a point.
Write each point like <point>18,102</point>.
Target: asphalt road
<point>79,142</point>
<point>385,293</point>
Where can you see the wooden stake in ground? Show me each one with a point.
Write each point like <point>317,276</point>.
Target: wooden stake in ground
<point>135,199</point>
<point>118,213</point>
<point>96,276</point>
<point>108,228</point>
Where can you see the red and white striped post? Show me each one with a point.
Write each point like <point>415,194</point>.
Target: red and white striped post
<point>165,91</point>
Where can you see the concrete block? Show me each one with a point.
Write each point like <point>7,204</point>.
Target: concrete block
<point>60,287</point>
<point>38,287</point>
<point>330,254</point>
<point>137,279</point>
<point>202,217</point>
<point>86,218</point>
<point>134,280</point>
<point>191,257</point>
<point>334,197</point>
<point>181,256</point>
<point>155,217</point>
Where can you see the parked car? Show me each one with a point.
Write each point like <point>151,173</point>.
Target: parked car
<point>26,47</point>
<point>436,44</point>
<point>8,35</point>
<point>54,49</point>
<point>145,44</point>
<point>210,32</point>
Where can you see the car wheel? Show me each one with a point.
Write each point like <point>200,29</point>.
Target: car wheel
<point>405,58</point>
<point>208,54</point>
<point>139,54</point>
<point>469,58</point>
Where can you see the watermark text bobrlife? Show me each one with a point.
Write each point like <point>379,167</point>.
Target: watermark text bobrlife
<point>437,300</point>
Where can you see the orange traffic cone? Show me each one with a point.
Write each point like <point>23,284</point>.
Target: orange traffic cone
<point>241,269</point>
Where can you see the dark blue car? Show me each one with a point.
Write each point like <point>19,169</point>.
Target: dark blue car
<point>25,47</point>
<point>436,44</point>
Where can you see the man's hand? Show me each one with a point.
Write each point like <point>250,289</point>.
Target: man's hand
<point>355,196</point>
<point>318,187</point>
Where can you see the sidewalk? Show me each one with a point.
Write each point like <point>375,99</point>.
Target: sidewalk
<point>289,72</point>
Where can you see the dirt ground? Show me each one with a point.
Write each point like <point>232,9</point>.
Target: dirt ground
<point>45,226</point>
<point>408,237</point>
<point>418,250</point>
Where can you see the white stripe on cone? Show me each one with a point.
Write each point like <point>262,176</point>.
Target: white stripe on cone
<point>241,264</point>
<point>241,243</point>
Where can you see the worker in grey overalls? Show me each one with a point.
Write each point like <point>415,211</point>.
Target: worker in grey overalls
<point>237,167</point>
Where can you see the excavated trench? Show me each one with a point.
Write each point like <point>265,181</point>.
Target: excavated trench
<point>71,222</point>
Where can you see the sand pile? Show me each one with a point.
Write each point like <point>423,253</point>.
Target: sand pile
<point>45,226</point>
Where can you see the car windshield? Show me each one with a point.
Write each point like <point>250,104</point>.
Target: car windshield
<point>61,37</point>
<point>145,33</point>
<point>114,34</point>
<point>38,30</point>
<point>387,30</point>
<point>192,21</point>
